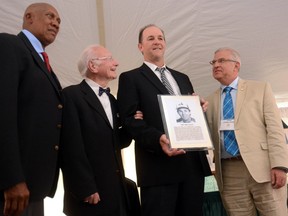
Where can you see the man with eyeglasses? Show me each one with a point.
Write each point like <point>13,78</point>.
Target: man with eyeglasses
<point>91,141</point>
<point>252,177</point>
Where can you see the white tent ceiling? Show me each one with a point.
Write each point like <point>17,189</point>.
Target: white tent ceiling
<point>194,30</point>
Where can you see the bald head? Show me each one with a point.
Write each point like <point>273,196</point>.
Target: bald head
<point>43,21</point>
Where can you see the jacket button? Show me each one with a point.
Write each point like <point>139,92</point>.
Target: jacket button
<point>60,106</point>
<point>59,126</point>
<point>56,147</point>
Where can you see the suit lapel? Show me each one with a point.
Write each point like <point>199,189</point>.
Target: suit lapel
<point>93,100</point>
<point>242,89</point>
<point>115,114</point>
<point>40,63</point>
<point>216,105</point>
<point>180,82</point>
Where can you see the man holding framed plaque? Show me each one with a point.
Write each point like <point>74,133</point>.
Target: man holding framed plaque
<point>171,180</point>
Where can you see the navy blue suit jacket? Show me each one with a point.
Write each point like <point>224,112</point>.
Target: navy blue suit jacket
<point>30,114</point>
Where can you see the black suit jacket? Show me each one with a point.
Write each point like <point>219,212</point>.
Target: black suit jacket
<point>90,155</point>
<point>30,114</point>
<point>138,90</point>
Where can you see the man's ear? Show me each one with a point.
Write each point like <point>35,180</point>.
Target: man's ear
<point>140,47</point>
<point>92,67</point>
<point>237,65</point>
<point>28,18</point>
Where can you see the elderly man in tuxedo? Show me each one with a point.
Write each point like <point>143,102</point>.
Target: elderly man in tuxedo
<point>250,152</point>
<point>91,141</point>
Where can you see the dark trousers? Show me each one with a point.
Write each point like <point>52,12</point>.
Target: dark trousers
<point>33,209</point>
<point>181,199</point>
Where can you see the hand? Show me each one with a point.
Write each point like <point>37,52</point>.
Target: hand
<point>138,115</point>
<point>164,142</point>
<point>203,103</point>
<point>93,199</point>
<point>16,199</point>
<point>278,178</point>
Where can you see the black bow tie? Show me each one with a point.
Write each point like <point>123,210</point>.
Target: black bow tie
<point>102,90</point>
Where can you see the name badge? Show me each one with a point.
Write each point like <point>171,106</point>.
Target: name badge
<point>227,124</point>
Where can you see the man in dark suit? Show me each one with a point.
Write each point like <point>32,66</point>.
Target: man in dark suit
<point>171,180</point>
<point>30,115</point>
<point>91,141</point>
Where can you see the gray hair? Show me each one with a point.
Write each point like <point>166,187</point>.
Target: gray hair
<point>234,53</point>
<point>87,54</point>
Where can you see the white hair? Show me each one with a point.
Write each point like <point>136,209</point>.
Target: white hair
<point>87,54</point>
<point>234,53</point>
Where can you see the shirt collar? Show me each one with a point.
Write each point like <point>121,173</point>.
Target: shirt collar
<point>34,41</point>
<point>92,83</point>
<point>234,85</point>
<point>153,66</point>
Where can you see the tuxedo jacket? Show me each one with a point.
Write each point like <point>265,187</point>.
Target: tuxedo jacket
<point>138,90</point>
<point>30,114</point>
<point>258,130</point>
<point>91,153</point>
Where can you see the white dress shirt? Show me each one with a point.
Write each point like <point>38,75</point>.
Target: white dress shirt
<point>104,99</point>
<point>169,76</point>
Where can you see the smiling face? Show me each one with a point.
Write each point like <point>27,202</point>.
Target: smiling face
<point>227,71</point>
<point>102,66</point>
<point>43,21</point>
<point>153,45</point>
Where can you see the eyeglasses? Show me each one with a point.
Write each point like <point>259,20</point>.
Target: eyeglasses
<point>105,58</point>
<point>221,61</point>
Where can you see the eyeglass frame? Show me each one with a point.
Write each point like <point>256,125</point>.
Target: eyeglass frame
<point>221,61</point>
<point>104,58</point>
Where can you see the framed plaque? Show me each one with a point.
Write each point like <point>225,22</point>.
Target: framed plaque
<point>184,122</point>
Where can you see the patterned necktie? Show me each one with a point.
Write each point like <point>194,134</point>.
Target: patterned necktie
<point>230,142</point>
<point>46,60</point>
<point>165,80</point>
<point>102,90</point>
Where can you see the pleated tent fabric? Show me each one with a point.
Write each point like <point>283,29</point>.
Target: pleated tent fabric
<point>194,30</point>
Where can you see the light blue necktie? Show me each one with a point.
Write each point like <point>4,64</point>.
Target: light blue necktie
<point>230,142</point>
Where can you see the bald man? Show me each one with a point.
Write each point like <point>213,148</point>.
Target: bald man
<point>30,114</point>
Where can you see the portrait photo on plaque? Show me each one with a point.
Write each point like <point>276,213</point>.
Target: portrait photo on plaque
<point>184,122</point>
